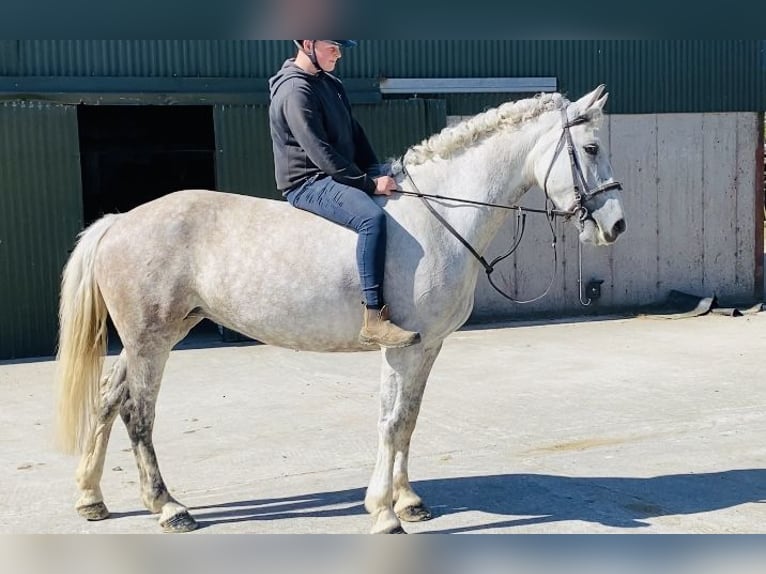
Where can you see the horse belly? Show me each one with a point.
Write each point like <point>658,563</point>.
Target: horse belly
<point>295,324</point>
<point>292,293</point>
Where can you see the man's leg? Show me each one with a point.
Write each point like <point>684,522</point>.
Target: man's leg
<point>355,210</point>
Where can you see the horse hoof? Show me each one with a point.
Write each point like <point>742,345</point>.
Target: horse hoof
<point>94,512</point>
<point>419,513</point>
<point>398,530</point>
<point>179,524</point>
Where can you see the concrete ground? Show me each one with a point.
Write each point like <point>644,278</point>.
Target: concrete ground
<point>612,426</point>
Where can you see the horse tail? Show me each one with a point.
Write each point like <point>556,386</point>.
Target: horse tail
<point>82,340</point>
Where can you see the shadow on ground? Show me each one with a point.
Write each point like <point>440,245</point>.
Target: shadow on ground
<point>526,499</point>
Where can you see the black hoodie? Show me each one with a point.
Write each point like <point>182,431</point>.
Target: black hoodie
<point>314,133</point>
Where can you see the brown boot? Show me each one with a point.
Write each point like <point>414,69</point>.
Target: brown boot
<point>379,330</point>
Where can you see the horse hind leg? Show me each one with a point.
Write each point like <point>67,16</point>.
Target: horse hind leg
<point>390,497</point>
<point>91,505</point>
<point>137,412</point>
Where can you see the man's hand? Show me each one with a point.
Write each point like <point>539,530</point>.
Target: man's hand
<point>384,185</point>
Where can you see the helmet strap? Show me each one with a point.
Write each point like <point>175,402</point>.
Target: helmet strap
<point>312,56</point>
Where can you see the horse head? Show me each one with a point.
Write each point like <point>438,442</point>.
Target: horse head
<point>570,163</point>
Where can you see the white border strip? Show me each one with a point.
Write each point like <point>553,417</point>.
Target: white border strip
<point>466,85</point>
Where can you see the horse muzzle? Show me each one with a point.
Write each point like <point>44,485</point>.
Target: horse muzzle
<point>594,233</point>
<point>604,225</point>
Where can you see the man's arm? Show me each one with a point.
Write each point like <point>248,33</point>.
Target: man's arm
<point>365,156</point>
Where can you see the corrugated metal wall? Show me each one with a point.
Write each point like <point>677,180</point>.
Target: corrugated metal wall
<point>644,76</point>
<point>393,126</point>
<point>9,57</point>
<point>150,58</point>
<point>244,160</point>
<point>40,215</point>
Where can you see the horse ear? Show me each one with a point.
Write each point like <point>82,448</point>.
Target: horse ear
<point>589,100</point>
<point>601,102</point>
<point>593,97</point>
<point>590,104</point>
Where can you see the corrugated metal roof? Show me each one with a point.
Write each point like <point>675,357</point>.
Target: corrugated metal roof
<point>652,76</point>
<point>152,58</point>
<point>8,57</point>
<point>643,75</point>
<point>40,215</point>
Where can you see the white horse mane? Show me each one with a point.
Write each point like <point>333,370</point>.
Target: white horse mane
<point>475,129</point>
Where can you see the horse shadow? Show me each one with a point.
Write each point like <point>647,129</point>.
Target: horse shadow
<point>527,499</point>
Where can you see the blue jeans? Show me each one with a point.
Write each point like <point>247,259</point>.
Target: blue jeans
<point>354,209</point>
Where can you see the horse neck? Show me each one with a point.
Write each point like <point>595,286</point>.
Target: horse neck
<point>493,171</point>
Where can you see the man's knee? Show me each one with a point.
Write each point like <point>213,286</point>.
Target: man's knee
<point>375,221</point>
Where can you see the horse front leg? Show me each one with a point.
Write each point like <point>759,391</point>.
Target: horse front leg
<point>403,379</point>
<point>137,412</point>
<point>408,506</point>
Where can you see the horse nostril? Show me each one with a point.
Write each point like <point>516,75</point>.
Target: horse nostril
<point>617,229</point>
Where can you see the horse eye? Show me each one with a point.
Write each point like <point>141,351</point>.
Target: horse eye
<point>591,149</point>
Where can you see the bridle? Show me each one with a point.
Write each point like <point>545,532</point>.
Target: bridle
<point>583,193</point>
<point>581,190</point>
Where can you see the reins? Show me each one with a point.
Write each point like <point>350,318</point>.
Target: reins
<point>521,220</point>
<point>556,212</point>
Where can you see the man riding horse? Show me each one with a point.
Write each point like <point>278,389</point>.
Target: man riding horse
<point>325,165</point>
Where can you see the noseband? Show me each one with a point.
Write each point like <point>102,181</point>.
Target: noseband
<point>582,193</point>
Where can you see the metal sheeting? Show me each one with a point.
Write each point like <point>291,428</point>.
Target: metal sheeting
<point>40,215</point>
<point>152,58</point>
<point>245,161</point>
<point>666,76</point>
<point>8,57</point>
<point>393,126</point>
<point>644,76</point>
<point>470,104</point>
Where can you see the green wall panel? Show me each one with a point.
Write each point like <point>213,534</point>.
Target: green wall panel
<point>644,76</point>
<point>40,216</point>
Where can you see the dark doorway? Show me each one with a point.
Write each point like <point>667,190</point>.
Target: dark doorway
<point>133,154</point>
<point>130,155</point>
